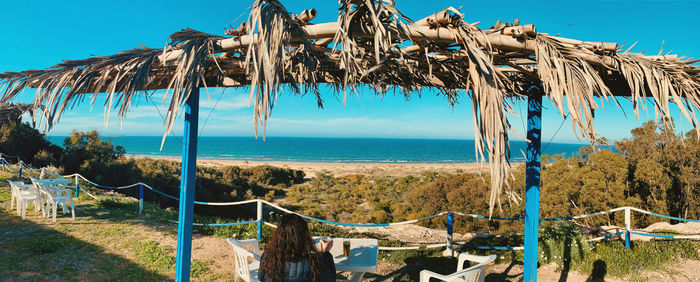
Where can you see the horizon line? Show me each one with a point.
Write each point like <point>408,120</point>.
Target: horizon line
<point>580,142</point>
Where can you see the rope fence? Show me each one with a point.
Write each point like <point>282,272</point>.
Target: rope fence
<point>449,244</point>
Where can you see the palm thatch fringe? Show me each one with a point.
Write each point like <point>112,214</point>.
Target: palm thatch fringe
<point>665,82</point>
<point>121,76</point>
<point>192,66</point>
<point>571,82</point>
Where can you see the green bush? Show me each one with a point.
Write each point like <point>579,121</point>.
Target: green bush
<point>652,255</point>
<point>562,243</point>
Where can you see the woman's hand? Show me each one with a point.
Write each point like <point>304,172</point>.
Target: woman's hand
<point>327,245</point>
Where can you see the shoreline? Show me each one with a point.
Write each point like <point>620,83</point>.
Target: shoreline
<point>340,169</point>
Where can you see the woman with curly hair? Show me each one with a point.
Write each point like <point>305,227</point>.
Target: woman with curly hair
<point>291,254</point>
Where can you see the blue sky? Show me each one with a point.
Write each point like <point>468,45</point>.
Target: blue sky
<point>39,34</point>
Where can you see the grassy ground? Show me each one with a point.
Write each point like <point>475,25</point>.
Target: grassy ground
<point>109,240</point>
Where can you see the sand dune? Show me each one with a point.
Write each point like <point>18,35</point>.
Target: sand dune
<point>338,169</point>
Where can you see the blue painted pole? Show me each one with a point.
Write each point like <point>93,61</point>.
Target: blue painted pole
<point>140,198</point>
<point>532,184</point>
<point>450,223</point>
<point>187,179</point>
<point>20,169</point>
<point>258,212</point>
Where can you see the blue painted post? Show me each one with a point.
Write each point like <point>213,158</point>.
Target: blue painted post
<point>20,169</point>
<point>532,184</point>
<point>187,179</point>
<point>3,162</point>
<point>450,222</point>
<point>140,198</point>
<point>259,211</point>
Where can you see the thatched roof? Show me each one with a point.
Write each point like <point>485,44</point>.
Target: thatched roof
<point>373,44</point>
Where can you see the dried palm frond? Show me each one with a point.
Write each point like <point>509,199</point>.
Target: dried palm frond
<point>377,17</point>
<point>192,65</point>
<point>266,59</point>
<point>570,82</point>
<point>665,82</point>
<point>488,88</point>
<point>121,76</point>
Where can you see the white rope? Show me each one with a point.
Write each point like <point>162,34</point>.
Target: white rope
<point>86,192</point>
<point>421,247</point>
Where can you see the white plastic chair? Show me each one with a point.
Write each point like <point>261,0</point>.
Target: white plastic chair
<point>23,194</point>
<point>471,274</point>
<point>55,197</point>
<point>245,270</point>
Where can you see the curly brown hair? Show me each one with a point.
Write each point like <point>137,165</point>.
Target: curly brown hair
<point>290,242</point>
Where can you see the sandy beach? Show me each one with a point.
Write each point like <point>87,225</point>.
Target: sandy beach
<point>339,169</point>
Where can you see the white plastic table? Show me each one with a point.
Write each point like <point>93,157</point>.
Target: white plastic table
<point>363,256</point>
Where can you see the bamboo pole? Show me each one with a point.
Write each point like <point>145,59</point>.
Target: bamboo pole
<point>415,33</point>
<point>307,15</point>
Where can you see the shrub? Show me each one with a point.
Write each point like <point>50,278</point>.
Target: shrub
<point>563,244</point>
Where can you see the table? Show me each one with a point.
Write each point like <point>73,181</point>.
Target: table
<point>363,256</point>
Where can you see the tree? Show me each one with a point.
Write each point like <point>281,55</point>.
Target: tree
<point>87,154</point>
<point>664,169</point>
<point>21,139</point>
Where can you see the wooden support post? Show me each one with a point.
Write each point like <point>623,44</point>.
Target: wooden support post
<point>628,224</point>
<point>259,213</point>
<point>187,180</point>
<point>532,183</point>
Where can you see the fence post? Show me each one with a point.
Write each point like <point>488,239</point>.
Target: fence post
<point>3,162</point>
<point>77,187</point>
<point>259,216</point>
<point>450,222</point>
<point>140,198</point>
<point>20,169</point>
<point>628,221</point>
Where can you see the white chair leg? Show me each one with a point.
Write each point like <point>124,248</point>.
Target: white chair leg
<point>54,208</point>
<point>24,209</point>
<point>72,209</point>
<point>63,207</point>
<point>12,203</point>
<point>38,205</point>
<point>19,205</point>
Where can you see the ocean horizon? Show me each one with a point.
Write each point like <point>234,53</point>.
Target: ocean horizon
<point>323,149</point>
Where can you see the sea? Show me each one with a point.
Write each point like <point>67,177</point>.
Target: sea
<point>323,150</point>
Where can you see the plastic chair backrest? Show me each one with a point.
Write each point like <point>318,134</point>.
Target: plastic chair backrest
<point>474,273</point>
<point>13,187</point>
<point>42,189</point>
<point>241,258</point>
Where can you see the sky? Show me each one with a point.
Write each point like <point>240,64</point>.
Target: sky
<point>39,34</point>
